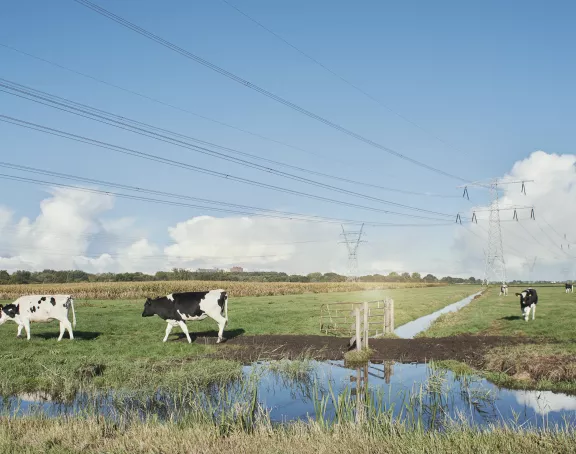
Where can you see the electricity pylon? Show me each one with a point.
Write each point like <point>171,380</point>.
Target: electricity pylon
<point>352,239</point>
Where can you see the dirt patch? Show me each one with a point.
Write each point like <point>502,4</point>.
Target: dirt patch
<point>466,348</point>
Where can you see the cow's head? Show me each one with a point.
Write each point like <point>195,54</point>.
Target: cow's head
<point>8,312</point>
<point>522,296</point>
<point>148,310</point>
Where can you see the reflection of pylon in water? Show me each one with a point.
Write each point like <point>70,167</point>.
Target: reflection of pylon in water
<point>352,239</point>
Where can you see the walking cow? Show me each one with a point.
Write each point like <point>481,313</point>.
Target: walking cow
<point>178,308</point>
<point>569,288</point>
<point>528,300</point>
<point>503,290</point>
<point>40,308</point>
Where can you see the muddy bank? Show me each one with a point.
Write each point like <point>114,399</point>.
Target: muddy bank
<point>466,348</point>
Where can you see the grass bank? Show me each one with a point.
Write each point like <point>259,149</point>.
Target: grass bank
<point>35,435</point>
<point>115,347</point>
<point>548,363</point>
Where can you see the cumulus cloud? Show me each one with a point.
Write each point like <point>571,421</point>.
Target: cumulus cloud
<point>552,194</point>
<point>77,230</point>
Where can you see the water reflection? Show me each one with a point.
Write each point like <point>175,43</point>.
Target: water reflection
<point>421,395</point>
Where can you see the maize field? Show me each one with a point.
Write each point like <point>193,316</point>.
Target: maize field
<point>133,290</point>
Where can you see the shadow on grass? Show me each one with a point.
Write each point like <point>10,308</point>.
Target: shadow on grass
<point>78,335</point>
<point>511,318</point>
<point>210,337</point>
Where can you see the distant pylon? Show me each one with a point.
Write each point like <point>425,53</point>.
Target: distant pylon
<point>495,265</point>
<point>352,239</point>
<point>530,264</point>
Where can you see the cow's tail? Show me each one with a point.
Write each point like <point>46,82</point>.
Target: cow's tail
<point>226,307</point>
<point>73,312</point>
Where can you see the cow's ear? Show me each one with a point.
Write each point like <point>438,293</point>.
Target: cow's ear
<point>518,294</point>
<point>1,307</point>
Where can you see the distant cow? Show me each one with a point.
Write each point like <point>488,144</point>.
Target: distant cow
<point>569,288</point>
<point>503,290</point>
<point>40,308</point>
<point>528,300</point>
<point>178,308</point>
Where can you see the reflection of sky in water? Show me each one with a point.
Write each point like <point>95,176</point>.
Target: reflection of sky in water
<point>473,400</point>
<point>410,329</point>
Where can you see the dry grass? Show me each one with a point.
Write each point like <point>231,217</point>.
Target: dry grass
<point>536,363</point>
<point>129,290</point>
<point>88,436</point>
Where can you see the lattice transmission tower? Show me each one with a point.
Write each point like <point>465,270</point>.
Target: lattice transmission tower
<point>495,263</point>
<point>352,239</point>
<point>530,263</point>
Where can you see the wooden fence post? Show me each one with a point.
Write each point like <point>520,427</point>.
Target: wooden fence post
<point>391,316</point>
<point>366,325</point>
<point>358,337</point>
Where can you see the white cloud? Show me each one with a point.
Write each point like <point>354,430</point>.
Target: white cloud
<point>553,194</point>
<point>74,230</point>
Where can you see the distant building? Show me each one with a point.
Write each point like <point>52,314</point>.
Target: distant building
<point>209,270</point>
<point>236,269</point>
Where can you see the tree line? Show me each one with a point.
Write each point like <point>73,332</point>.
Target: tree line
<point>179,274</point>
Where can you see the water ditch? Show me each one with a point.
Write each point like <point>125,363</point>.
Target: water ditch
<point>421,395</point>
<point>411,329</point>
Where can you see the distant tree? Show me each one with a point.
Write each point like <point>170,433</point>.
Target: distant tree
<point>4,277</point>
<point>430,278</point>
<point>315,277</point>
<point>21,277</point>
<point>416,277</point>
<point>405,277</point>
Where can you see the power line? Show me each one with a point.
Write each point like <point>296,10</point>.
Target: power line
<point>186,166</point>
<point>160,193</point>
<point>338,76</point>
<point>146,130</point>
<point>288,216</point>
<point>244,82</point>
<point>166,104</point>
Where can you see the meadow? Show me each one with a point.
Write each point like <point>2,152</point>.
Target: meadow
<point>547,363</point>
<point>115,347</point>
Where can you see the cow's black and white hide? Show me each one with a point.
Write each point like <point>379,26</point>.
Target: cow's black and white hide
<point>42,309</point>
<point>528,301</point>
<point>178,308</point>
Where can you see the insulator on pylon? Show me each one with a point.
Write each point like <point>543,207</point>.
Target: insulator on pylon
<point>532,216</point>
<point>515,215</point>
<point>474,218</point>
<point>523,188</point>
<point>466,192</point>
<point>458,219</point>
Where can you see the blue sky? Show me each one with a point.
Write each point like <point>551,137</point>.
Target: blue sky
<point>494,80</point>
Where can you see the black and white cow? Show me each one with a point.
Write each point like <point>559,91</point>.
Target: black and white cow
<point>40,308</point>
<point>569,288</point>
<point>178,308</point>
<point>503,290</point>
<point>528,300</point>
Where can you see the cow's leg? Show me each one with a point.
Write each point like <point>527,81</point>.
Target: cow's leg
<point>185,329</point>
<point>19,333</point>
<point>62,329</point>
<point>67,325</point>
<point>526,312</point>
<point>221,320</point>
<point>168,329</point>
<point>533,311</point>
<point>26,324</point>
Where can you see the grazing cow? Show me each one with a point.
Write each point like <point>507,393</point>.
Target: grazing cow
<point>569,288</point>
<point>528,300</point>
<point>503,290</point>
<point>178,308</point>
<point>40,308</point>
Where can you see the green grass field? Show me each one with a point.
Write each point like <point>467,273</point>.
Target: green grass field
<point>115,347</point>
<point>549,364</point>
